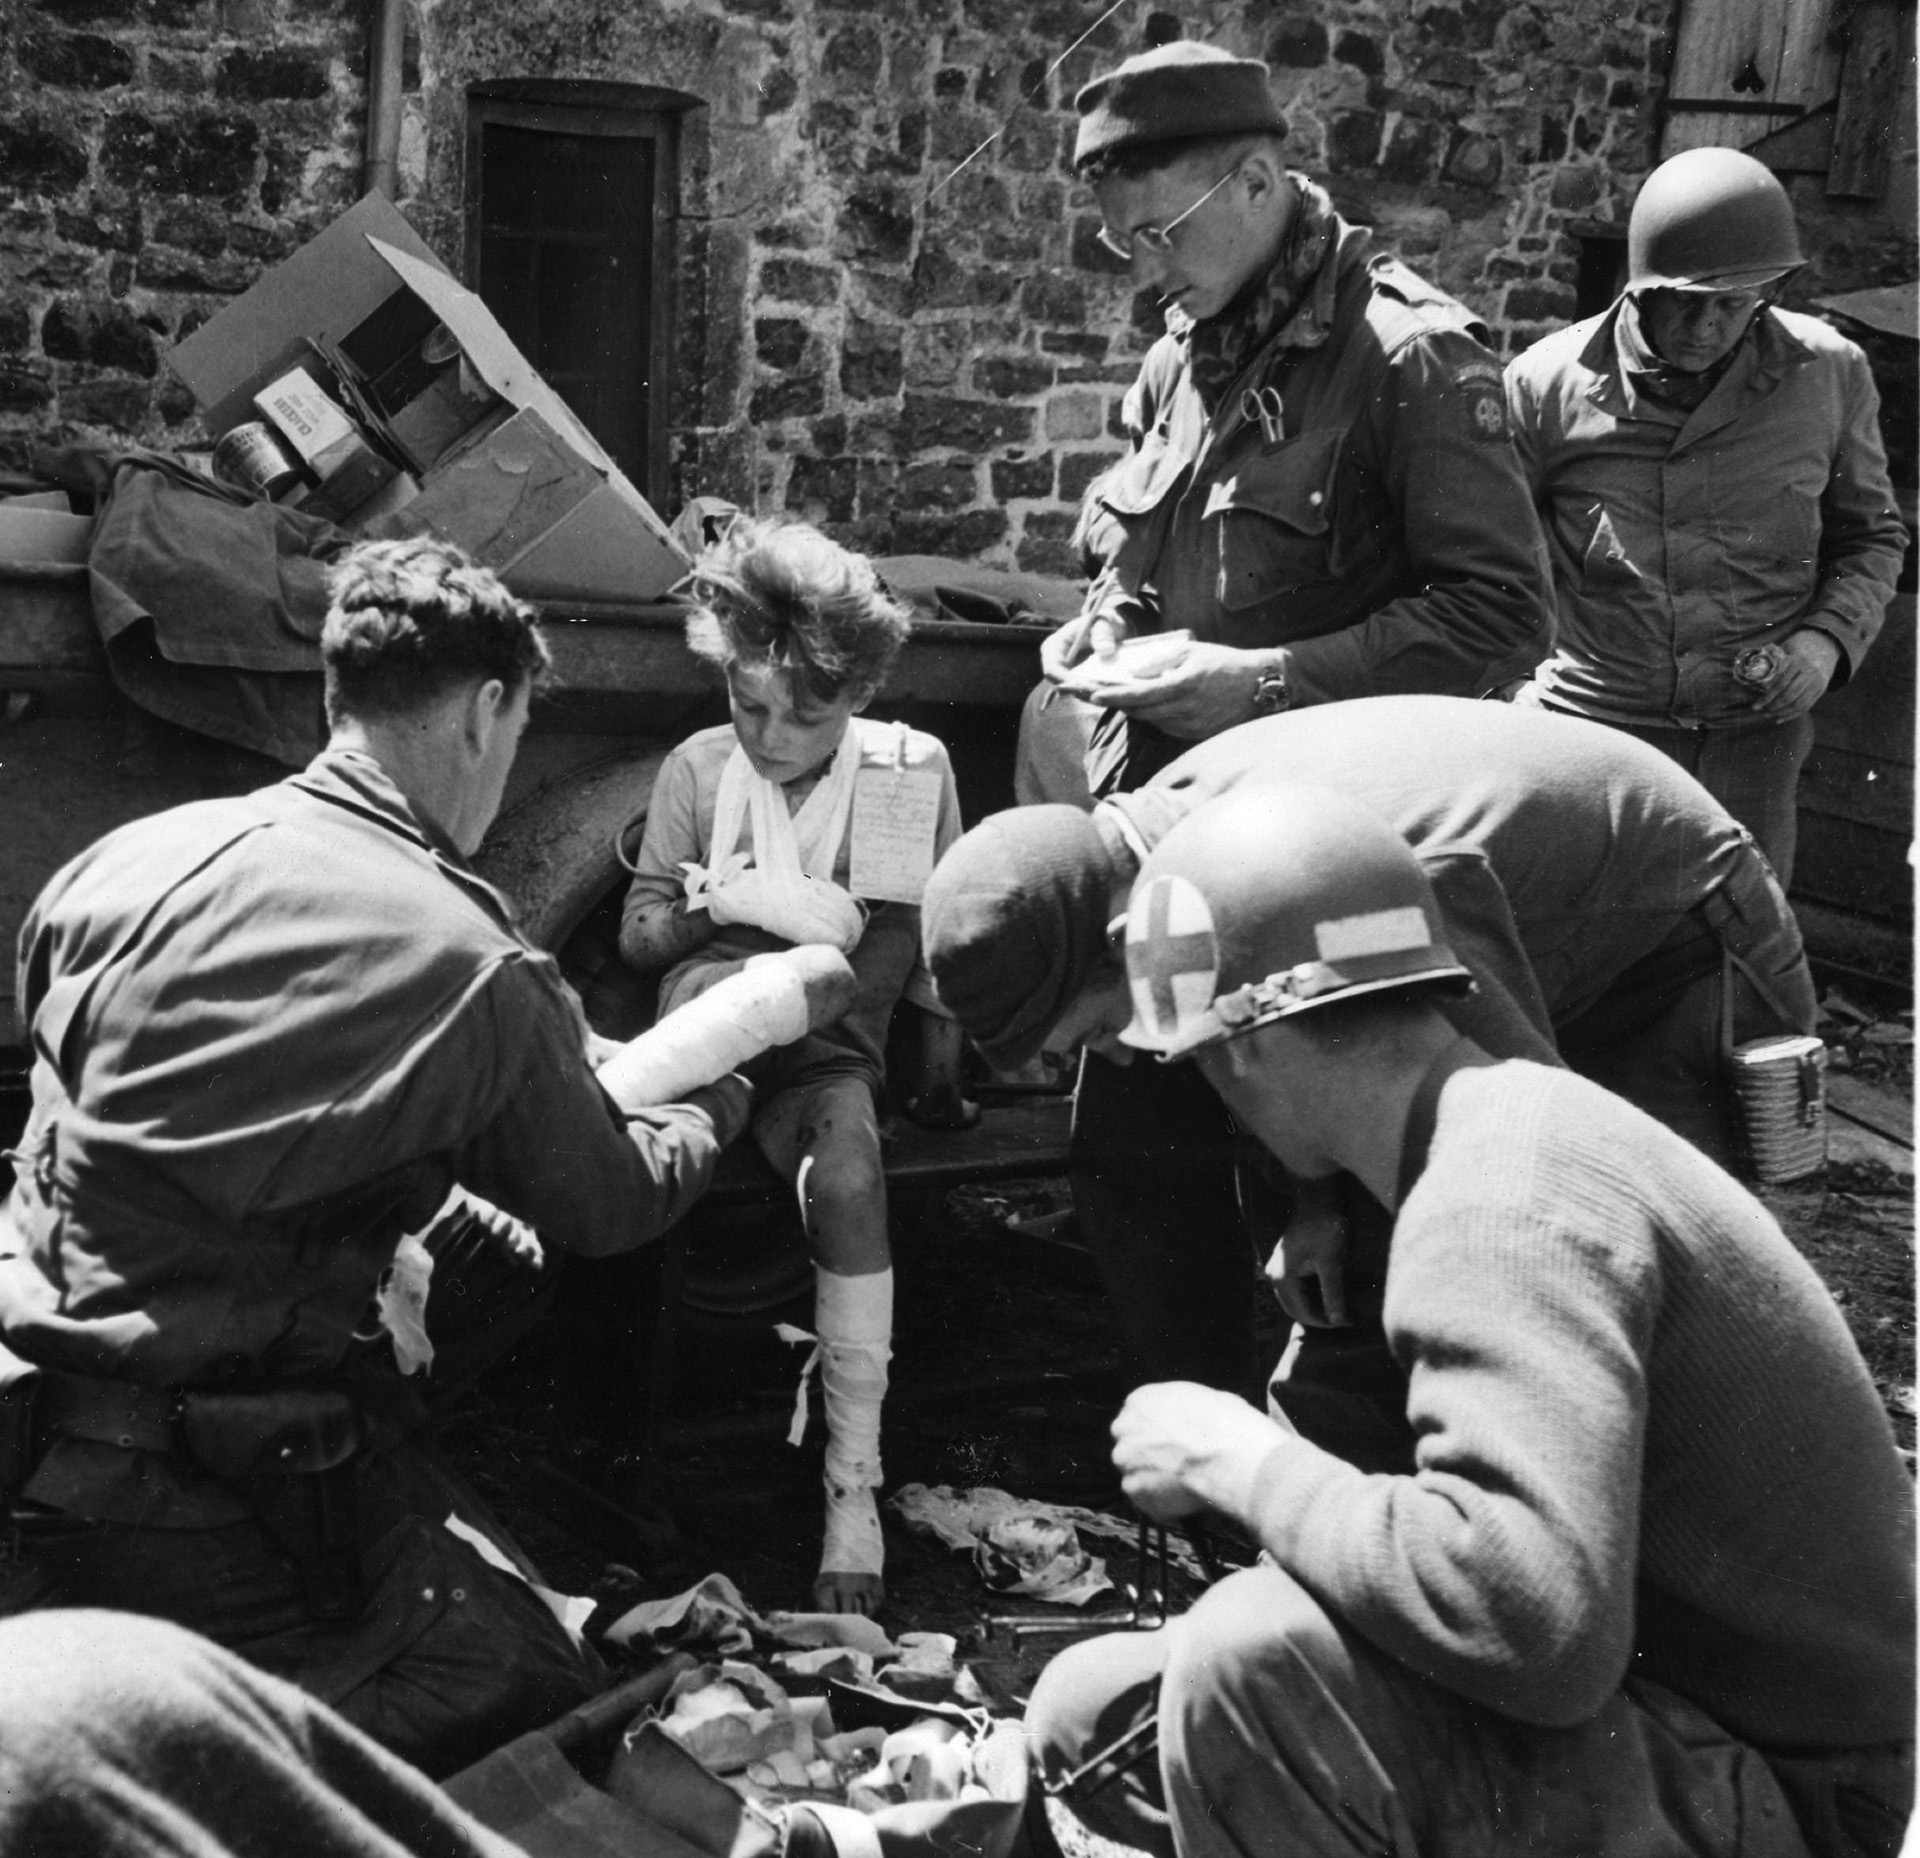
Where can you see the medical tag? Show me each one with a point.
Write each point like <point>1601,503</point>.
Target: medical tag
<point>896,814</point>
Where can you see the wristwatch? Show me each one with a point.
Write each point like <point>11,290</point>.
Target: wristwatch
<point>1270,693</point>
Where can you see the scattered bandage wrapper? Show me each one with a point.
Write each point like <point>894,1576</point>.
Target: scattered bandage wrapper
<point>896,817</point>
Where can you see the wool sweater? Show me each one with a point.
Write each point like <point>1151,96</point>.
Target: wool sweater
<point>1647,1443</point>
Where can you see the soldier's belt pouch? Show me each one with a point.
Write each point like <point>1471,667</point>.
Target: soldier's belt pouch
<point>272,1432</point>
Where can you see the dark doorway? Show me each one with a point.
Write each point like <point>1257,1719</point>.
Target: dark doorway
<point>572,194</point>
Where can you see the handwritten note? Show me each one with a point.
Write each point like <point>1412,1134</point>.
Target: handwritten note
<point>895,814</point>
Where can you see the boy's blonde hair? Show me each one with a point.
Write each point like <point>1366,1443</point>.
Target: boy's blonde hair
<point>782,596</point>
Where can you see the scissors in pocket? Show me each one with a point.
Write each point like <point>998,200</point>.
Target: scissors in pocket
<point>1265,405</point>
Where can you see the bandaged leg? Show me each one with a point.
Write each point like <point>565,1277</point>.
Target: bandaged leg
<point>853,1319</point>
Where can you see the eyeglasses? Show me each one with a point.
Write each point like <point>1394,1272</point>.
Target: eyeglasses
<point>1157,239</point>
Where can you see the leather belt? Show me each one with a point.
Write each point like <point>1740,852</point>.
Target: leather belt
<point>82,1406</point>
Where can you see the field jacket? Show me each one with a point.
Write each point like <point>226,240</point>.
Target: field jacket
<point>1679,539</point>
<point>1384,535</point>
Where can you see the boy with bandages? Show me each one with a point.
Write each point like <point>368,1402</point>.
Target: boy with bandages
<point>802,822</point>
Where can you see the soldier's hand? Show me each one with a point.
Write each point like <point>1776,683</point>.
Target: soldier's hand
<point>1181,1447</point>
<point>1092,635</point>
<point>1306,1267</point>
<point>1206,689</point>
<point>1811,658</point>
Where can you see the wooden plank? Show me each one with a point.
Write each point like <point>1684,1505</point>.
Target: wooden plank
<point>1881,1110</point>
<point>1869,94</point>
<point>1753,51</point>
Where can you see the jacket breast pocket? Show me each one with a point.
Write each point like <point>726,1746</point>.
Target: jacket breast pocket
<point>1120,502</point>
<point>1275,516</point>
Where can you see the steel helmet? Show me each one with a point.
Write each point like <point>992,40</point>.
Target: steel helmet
<point>1269,901</point>
<point>1710,219</point>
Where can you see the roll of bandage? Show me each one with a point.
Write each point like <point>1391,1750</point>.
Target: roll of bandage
<point>773,1000</point>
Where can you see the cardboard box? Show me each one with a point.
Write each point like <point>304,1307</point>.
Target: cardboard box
<point>42,527</point>
<point>505,467</point>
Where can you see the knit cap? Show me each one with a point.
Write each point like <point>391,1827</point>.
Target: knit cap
<point>1171,94</point>
<point>1015,924</point>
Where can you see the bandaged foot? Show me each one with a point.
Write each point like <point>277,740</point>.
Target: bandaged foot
<point>853,1319</point>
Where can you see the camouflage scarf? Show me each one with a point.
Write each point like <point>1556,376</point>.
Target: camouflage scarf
<point>1300,280</point>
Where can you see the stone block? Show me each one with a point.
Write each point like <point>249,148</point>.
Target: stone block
<point>110,227</point>
<point>87,12</point>
<point>100,332</point>
<point>1412,150</point>
<point>934,422</point>
<point>955,536</point>
<point>162,267</point>
<point>943,281</point>
<point>790,280</point>
<point>35,156</point>
<point>1058,298</point>
<point>822,489</point>
<point>1361,52</point>
<point>1016,478</point>
<point>871,366</point>
<point>194,225</point>
<point>1553,139</point>
<point>272,76</point>
<point>794,396</point>
<point>1012,377</point>
<point>1076,416</point>
<point>110,401</point>
<point>212,155</point>
<point>1079,469</point>
<point>1083,344</point>
<point>852,56</point>
<point>778,89</point>
<point>828,436</point>
<point>1475,161</point>
<point>1538,303</point>
<point>174,402</point>
<point>76,60</point>
<point>184,74</point>
<point>1297,42</point>
<point>939,486</point>
<point>1353,140</point>
<point>16,327</point>
<point>1573,190</point>
<point>876,222</point>
<point>780,341</point>
<point>1046,545</point>
<point>1449,66</point>
<point>24,388</point>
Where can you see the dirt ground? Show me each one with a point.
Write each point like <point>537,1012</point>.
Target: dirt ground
<point>1004,1375</point>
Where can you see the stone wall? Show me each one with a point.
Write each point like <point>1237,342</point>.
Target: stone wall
<point>922,362</point>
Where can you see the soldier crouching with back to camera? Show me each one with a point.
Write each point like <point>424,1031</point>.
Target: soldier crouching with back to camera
<point>1320,500</point>
<point>269,1035</point>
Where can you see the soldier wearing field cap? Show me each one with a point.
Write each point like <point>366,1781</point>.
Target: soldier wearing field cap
<point>1320,487</point>
<point>1714,488</point>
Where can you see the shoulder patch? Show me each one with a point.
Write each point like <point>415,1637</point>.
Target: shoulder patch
<point>1471,371</point>
<point>1486,411</point>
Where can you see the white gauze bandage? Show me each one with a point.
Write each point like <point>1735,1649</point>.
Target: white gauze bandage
<point>772,1000</point>
<point>788,889</point>
<point>852,1344</point>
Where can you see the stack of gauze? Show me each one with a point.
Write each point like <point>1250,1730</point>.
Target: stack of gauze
<point>770,1000</point>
